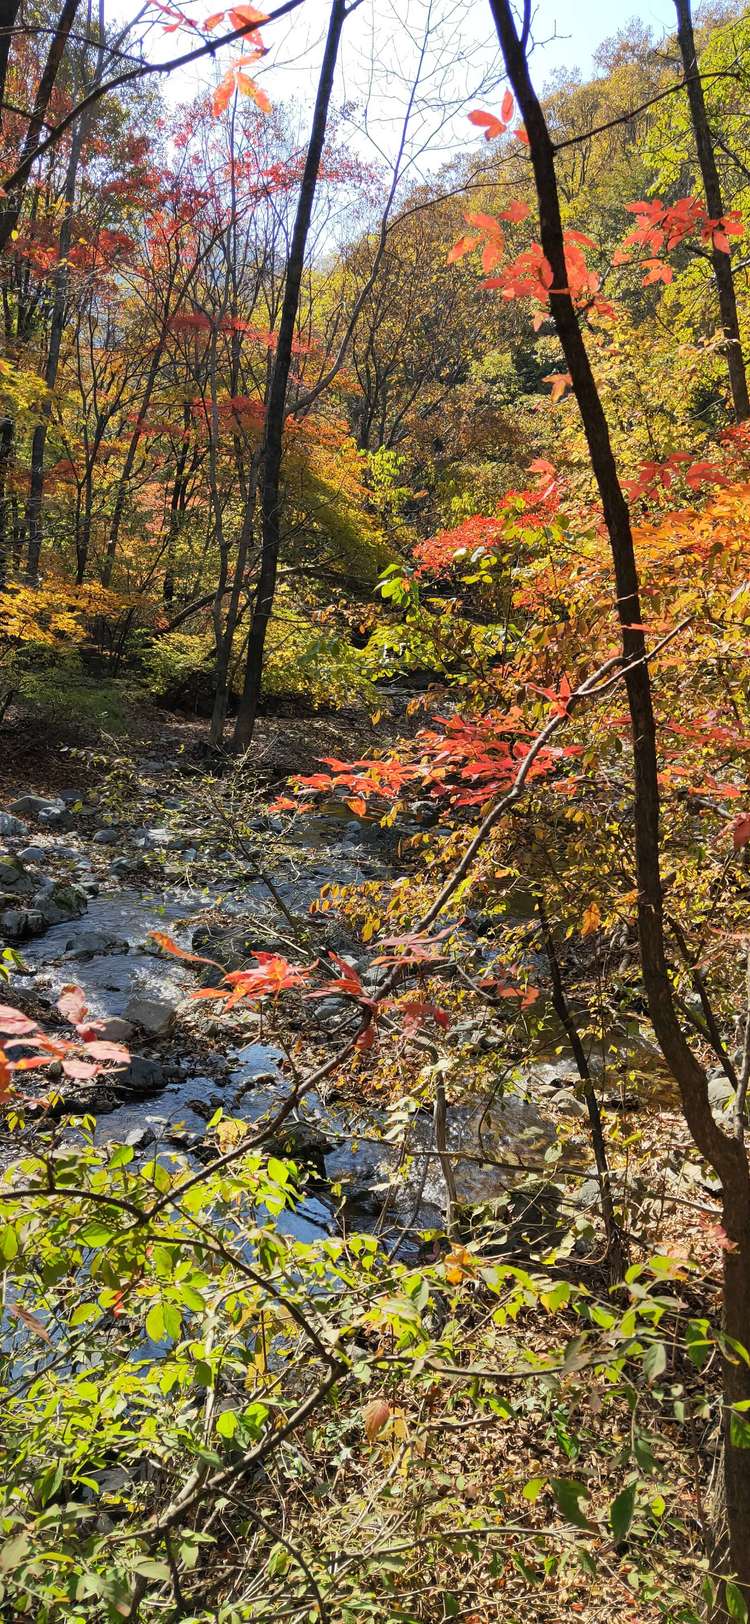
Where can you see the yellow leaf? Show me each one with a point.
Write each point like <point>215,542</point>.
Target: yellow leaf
<point>591,919</point>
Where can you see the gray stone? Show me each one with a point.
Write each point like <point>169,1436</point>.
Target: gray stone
<point>152,1015</point>
<point>34,854</point>
<point>116,1030</point>
<point>159,840</point>
<point>19,924</point>
<point>141,1077</point>
<point>140,1138</point>
<point>106,837</point>
<point>183,1139</point>
<point>95,943</point>
<point>39,807</point>
<point>120,866</point>
<point>203,1108</point>
<point>61,903</point>
<point>10,825</point>
<point>14,877</point>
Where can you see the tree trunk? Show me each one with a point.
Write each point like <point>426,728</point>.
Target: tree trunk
<point>121,497</point>
<point>712,188</point>
<point>9,10</point>
<point>6,451</point>
<point>59,307</point>
<point>9,216</point>
<point>725,1154</point>
<point>273,438</point>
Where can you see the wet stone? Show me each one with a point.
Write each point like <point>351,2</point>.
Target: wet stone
<point>152,1015</point>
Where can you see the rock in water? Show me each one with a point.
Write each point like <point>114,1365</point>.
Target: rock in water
<point>152,1015</point>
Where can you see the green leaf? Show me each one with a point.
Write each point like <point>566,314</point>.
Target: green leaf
<point>150,1569</point>
<point>739,1431</point>
<point>558,1297</point>
<point>644,1453</point>
<point>155,1323</point>
<point>227,1423</point>
<point>172,1320</point>
<point>532,1490</point>
<point>736,1604</point>
<point>84,1312</point>
<point>621,1513</point>
<point>277,1171</point>
<point>568,1494</point>
<point>654,1361</point>
<point>8,1243</point>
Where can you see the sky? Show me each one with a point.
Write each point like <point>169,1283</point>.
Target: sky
<point>382,42</point>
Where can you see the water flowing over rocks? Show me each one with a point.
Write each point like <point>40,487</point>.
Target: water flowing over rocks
<point>84,912</point>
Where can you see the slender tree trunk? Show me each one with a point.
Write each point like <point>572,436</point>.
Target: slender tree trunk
<point>123,483</point>
<point>9,215</point>
<point>273,439</point>
<point>6,451</point>
<point>57,325</point>
<point>725,1154</point>
<point>712,188</point>
<point>9,10</point>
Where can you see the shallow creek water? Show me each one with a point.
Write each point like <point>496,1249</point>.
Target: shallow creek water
<point>107,953</point>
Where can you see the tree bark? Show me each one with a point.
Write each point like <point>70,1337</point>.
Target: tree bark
<point>712,188</point>
<point>59,309</point>
<point>9,216</point>
<point>273,438</point>
<point>726,1155</point>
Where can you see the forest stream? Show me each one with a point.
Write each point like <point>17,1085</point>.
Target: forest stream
<point>175,1082</point>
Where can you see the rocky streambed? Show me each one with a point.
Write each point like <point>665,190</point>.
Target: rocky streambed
<point>79,897</point>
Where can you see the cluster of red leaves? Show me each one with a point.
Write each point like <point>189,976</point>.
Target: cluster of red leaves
<point>80,1058</point>
<point>465,760</point>
<point>655,478</point>
<point>494,126</point>
<point>469,761</point>
<point>245,17</point>
<point>529,275</point>
<point>661,227</point>
<point>539,503</point>
<point>271,974</point>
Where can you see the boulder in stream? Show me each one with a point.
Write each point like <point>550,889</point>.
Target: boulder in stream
<point>153,1015</point>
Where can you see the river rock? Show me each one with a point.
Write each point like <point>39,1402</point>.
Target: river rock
<point>10,825</point>
<point>116,1030</point>
<point>15,878</point>
<point>152,1015</point>
<point>62,902</point>
<point>140,1138</point>
<point>159,840</point>
<point>140,1078</point>
<point>95,943</point>
<point>20,924</point>
<point>106,837</point>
